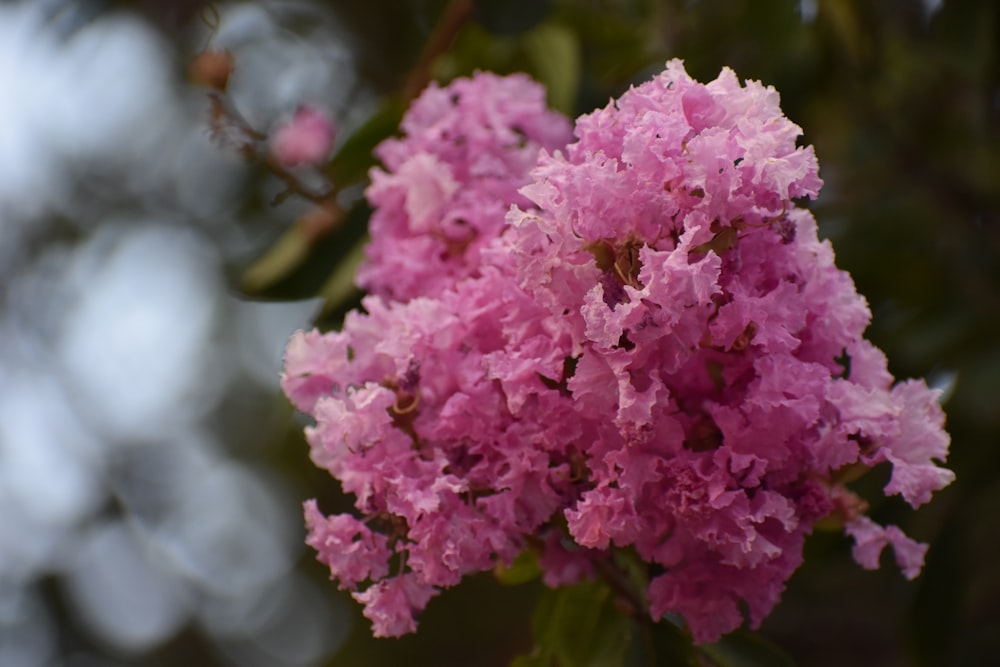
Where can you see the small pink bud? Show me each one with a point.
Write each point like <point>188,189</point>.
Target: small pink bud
<point>304,139</point>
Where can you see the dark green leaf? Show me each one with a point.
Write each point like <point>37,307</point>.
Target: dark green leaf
<point>510,17</point>
<point>351,163</point>
<point>661,645</point>
<point>554,51</point>
<point>296,268</point>
<point>745,649</point>
<point>524,568</point>
<point>578,626</point>
<point>340,292</point>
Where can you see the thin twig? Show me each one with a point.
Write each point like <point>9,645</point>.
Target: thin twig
<point>294,185</point>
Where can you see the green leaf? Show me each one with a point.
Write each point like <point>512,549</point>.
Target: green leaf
<point>298,267</point>
<point>535,659</point>
<point>339,289</point>
<point>277,263</point>
<point>510,17</point>
<point>633,567</point>
<point>351,163</point>
<point>524,569</point>
<point>555,55</point>
<point>745,649</point>
<point>578,626</point>
<point>847,26</point>
<point>661,645</point>
<point>721,243</point>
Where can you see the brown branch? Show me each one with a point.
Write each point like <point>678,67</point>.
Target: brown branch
<point>293,185</point>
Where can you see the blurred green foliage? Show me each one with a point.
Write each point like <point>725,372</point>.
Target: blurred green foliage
<point>903,106</point>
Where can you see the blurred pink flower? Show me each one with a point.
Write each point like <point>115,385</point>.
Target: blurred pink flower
<point>304,139</point>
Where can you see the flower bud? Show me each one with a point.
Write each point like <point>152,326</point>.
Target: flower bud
<point>305,139</point>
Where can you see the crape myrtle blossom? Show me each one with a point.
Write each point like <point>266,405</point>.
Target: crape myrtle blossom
<point>655,351</point>
<point>449,180</point>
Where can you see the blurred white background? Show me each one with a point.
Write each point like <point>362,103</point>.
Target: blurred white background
<point>139,403</point>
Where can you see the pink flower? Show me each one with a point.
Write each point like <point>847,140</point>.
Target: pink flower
<point>392,603</point>
<point>448,182</point>
<point>305,139</point>
<point>347,546</point>
<point>646,350</point>
<point>871,538</point>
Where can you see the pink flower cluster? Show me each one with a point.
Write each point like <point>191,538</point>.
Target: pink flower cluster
<point>450,179</point>
<point>653,350</point>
